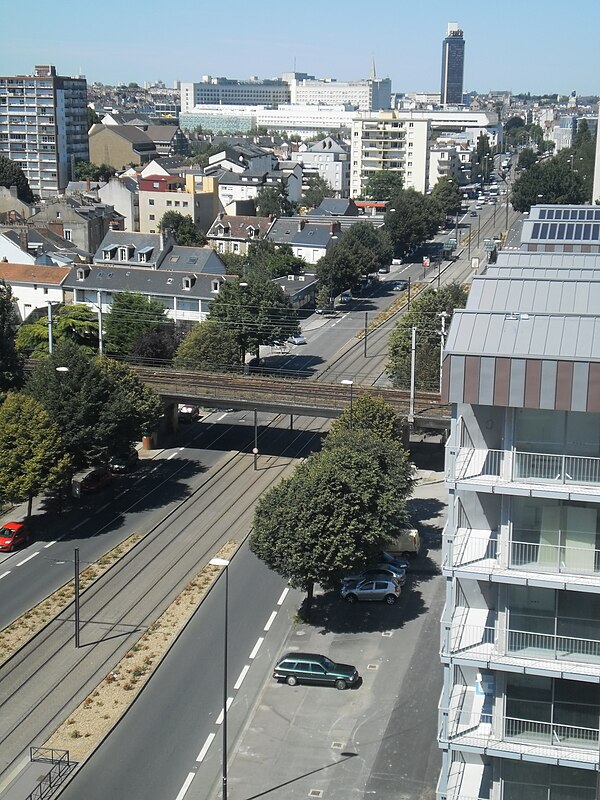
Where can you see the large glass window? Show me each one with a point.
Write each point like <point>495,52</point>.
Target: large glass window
<point>530,781</point>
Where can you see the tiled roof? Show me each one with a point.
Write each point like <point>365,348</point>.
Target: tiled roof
<point>32,273</point>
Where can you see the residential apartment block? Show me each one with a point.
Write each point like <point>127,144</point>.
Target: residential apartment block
<point>393,141</point>
<point>43,126</point>
<point>519,713</point>
<point>159,194</point>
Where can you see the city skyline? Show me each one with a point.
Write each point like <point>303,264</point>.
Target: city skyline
<point>519,47</point>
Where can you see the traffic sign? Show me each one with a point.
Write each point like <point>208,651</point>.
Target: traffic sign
<point>489,244</point>
<point>426,261</point>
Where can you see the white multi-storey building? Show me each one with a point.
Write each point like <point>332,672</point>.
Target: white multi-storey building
<point>43,126</point>
<point>367,95</point>
<point>393,141</point>
<point>520,640</point>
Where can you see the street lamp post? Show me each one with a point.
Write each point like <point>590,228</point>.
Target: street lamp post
<point>223,562</point>
<point>349,383</point>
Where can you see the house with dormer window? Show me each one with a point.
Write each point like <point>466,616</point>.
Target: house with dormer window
<point>234,234</point>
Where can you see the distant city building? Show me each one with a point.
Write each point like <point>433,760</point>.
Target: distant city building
<point>392,141</point>
<point>328,159</point>
<point>453,62</point>
<point>227,92</point>
<point>43,126</point>
<point>367,95</point>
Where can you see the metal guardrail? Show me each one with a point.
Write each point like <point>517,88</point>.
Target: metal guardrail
<point>61,766</point>
<point>523,466</point>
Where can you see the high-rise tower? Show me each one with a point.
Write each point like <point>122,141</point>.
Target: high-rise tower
<point>453,61</point>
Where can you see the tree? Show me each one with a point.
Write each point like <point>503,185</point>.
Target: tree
<point>266,261</point>
<point>210,345</point>
<point>336,274</point>
<point>273,201</point>
<point>92,117</point>
<point>258,313</point>
<point>11,365</point>
<point>155,345</point>
<point>360,251</point>
<point>425,315</point>
<point>414,219</point>
<point>317,190</point>
<point>447,194</point>
<point>334,513</point>
<point>132,316</point>
<point>583,135</point>
<point>71,323</point>
<point>99,405</point>
<point>32,456</point>
<point>383,185</point>
<point>527,158</point>
<point>184,230</point>
<point>370,415</point>
<point>12,175</point>
<point>85,169</point>
<point>549,181</point>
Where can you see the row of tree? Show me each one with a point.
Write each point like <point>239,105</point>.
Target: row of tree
<point>341,505</point>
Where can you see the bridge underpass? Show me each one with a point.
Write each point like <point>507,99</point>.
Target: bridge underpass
<point>289,396</point>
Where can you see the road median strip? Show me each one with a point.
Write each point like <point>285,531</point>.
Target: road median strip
<point>396,305</point>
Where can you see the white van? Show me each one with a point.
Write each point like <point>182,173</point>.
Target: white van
<point>406,544</point>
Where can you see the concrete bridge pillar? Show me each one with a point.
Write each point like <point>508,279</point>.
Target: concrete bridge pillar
<point>171,418</point>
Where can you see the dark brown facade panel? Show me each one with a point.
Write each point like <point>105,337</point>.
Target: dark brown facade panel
<point>446,379</point>
<point>593,398</point>
<point>472,367</point>
<point>502,382</point>
<point>533,381</point>
<point>564,385</point>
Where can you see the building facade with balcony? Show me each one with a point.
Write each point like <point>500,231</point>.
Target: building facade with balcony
<point>392,141</point>
<point>519,713</point>
<point>43,126</point>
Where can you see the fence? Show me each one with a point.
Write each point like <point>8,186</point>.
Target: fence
<point>60,768</point>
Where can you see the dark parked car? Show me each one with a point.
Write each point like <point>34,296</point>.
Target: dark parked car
<point>187,413</point>
<point>94,479</point>
<point>123,462</point>
<point>13,535</point>
<point>312,668</point>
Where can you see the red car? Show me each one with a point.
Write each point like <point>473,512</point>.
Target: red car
<point>13,535</point>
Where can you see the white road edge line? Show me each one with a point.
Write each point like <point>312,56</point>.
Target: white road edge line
<point>205,746</point>
<point>181,448</point>
<point>79,524</point>
<point>171,456</point>
<point>270,621</point>
<point>103,508</point>
<point>283,595</point>
<point>256,647</point>
<point>4,574</point>
<point>25,560</point>
<point>46,546</point>
<point>221,715</point>
<point>240,680</point>
<point>186,785</point>
<point>221,417</point>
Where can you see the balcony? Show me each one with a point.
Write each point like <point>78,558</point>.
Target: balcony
<point>502,470</point>
<point>512,737</point>
<point>484,555</point>
<point>514,650</point>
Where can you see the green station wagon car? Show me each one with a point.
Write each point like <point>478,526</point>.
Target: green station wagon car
<point>312,668</point>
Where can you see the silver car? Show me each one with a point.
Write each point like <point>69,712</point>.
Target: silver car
<point>380,570</point>
<point>372,589</point>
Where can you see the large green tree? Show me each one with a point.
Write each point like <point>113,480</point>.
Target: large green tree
<point>11,364</point>
<point>12,175</point>
<point>360,251</point>
<point>32,455</point>
<point>334,513</point>
<point>371,415</point>
<point>71,323</point>
<point>273,201</point>
<point>316,191</point>
<point>258,311</point>
<point>210,345</point>
<point>131,317</point>
<point>133,410</point>
<point>447,194</point>
<point>425,315</point>
<point>383,185</point>
<point>527,158</point>
<point>95,172</point>
<point>548,181</point>
<point>185,232</point>
<point>414,219</point>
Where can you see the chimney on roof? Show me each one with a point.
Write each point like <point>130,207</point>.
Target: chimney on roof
<point>24,240</point>
<point>88,184</point>
<point>301,224</point>
<point>334,228</point>
<point>162,239</point>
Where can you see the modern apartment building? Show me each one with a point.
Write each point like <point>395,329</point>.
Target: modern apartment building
<point>453,63</point>
<point>43,126</point>
<point>520,641</point>
<point>389,140</point>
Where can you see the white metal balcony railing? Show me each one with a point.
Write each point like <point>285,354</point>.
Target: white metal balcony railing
<point>476,548</point>
<point>485,641</point>
<point>506,466</point>
<point>484,730</point>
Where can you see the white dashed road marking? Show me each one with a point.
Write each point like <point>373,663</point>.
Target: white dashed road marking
<point>243,674</point>
<point>171,456</point>
<point>186,786</point>
<point>25,560</point>
<point>205,746</point>
<point>46,546</point>
<point>4,574</point>
<point>283,596</point>
<point>270,621</point>
<point>256,648</point>
<point>221,715</point>
<point>221,417</point>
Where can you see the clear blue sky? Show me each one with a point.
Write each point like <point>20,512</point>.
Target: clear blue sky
<point>526,45</point>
